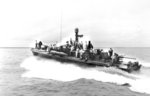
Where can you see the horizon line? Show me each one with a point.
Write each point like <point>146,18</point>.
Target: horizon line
<point>95,47</point>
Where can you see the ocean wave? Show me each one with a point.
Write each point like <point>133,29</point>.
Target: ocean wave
<point>50,69</point>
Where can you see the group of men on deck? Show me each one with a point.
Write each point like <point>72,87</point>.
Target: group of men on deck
<point>38,45</point>
<point>79,50</point>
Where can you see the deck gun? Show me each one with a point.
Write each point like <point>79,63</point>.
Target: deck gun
<point>121,56</point>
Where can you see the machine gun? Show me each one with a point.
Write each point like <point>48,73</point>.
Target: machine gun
<point>121,56</point>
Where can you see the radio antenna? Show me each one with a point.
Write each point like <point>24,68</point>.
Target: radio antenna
<point>61,25</point>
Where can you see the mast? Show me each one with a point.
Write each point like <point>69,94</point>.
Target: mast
<point>77,35</point>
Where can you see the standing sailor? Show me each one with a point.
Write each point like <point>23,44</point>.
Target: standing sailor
<point>90,46</point>
<point>40,44</point>
<point>110,52</point>
<point>71,42</point>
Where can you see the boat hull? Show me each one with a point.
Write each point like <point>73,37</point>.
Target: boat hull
<point>66,58</point>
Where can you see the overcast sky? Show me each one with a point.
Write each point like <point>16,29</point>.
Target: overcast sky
<point>112,23</point>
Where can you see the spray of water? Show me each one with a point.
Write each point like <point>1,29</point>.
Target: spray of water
<point>145,64</point>
<point>49,69</point>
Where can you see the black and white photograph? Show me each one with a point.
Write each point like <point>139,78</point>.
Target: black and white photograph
<point>75,48</point>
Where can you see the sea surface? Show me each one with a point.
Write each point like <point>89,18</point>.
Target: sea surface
<point>19,67</point>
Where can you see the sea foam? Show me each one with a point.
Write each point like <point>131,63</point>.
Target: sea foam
<point>51,69</point>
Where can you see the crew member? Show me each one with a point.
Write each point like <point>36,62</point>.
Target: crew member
<point>71,42</point>
<point>110,52</point>
<point>90,46</point>
<point>116,59</point>
<point>40,44</point>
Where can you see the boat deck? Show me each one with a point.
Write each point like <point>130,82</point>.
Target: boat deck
<point>69,58</point>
